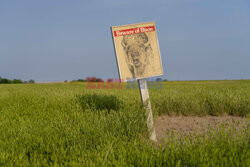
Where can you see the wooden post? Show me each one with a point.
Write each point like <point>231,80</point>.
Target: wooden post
<point>146,102</point>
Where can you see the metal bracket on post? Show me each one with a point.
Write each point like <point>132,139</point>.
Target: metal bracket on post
<point>146,102</point>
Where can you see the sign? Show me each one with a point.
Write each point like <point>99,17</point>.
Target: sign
<point>137,51</point>
<point>138,56</point>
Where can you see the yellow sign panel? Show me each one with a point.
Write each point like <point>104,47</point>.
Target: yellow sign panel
<point>137,51</point>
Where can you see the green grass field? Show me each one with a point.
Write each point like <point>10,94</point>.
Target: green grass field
<point>66,124</point>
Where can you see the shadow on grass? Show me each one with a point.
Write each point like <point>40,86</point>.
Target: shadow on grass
<point>99,102</point>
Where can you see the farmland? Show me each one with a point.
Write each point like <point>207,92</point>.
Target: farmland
<point>66,124</point>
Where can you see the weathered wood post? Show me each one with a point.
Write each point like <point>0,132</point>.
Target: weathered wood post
<point>146,102</point>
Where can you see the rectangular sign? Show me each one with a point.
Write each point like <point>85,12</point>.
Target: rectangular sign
<point>137,51</point>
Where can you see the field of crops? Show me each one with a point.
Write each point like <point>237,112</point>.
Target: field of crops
<point>65,124</point>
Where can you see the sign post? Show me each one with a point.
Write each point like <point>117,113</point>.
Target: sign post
<point>146,102</point>
<point>138,57</point>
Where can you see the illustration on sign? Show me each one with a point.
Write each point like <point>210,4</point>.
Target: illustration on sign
<point>137,51</point>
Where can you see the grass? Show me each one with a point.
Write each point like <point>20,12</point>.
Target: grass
<point>68,125</point>
<point>203,98</point>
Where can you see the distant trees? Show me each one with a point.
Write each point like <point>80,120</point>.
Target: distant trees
<point>31,81</point>
<point>14,81</point>
<point>5,81</point>
<point>89,79</point>
<point>161,79</point>
<point>81,80</point>
<point>158,79</point>
<point>94,79</point>
<point>110,80</point>
<point>99,80</point>
<point>17,81</point>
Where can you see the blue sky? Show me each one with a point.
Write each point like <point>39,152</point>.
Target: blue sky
<point>56,40</point>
